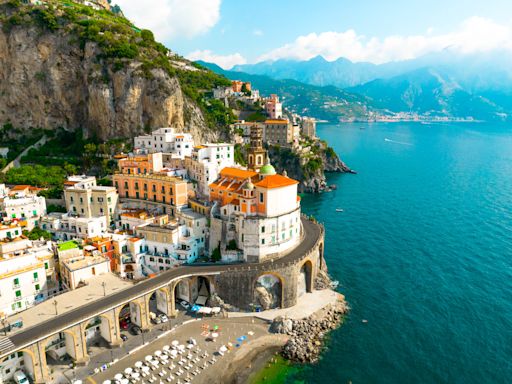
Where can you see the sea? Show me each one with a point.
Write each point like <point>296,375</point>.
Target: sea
<point>423,253</point>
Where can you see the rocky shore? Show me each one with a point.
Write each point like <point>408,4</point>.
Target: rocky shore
<point>306,335</point>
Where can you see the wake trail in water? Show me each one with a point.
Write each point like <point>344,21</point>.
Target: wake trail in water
<point>396,142</point>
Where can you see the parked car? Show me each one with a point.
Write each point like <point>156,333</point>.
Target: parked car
<point>156,320</point>
<point>124,337</point>
<point>20,378</point>
<point>184,304</point>
<point>136,330</point>
<point>163,318</point>
<point>124,325</point>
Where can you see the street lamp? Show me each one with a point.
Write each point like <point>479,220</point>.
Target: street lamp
<point>103,284</point>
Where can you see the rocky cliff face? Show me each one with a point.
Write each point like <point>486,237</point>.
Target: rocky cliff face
<point>309,171</point>
<point>48,80</point>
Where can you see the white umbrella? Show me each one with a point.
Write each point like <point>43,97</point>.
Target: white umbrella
<point>125,381</point>
<point>175,343</point>
<point>164,357</point>
<point>215,335</point>
<point>223,349</point>
<point>119,376</point>
<point>181,347</point>
<point>166,347</point>
<point>135,375</point>
<point>190,346</point>
<point>158,353</point>
<point>128,370</point>
<point>174,353</point>
<point>138,364</point>
<point>149,358</point>
<point>145,368</point>
<point>107,382</point>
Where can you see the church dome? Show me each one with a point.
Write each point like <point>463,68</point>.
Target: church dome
<point>267,170</point>
<point>249,186</point>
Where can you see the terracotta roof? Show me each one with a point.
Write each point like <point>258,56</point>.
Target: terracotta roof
<point>276,181</point>
<point>20,187</point>
<point>237,173</point>
<point>133,239</point>
<point>276,121</point>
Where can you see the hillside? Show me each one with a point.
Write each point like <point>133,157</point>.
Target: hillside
<point>324,103</point>
<point>430,92</point>
<point>66,65</point>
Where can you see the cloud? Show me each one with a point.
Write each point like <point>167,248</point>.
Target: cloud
<point>224,61</point>
<point>257,32</point>
<point>170,19</point>
<point>476,34</point>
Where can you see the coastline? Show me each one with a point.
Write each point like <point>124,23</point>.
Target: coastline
<point>295,346</point>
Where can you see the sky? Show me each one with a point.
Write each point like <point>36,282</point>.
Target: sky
<point>230,32</point>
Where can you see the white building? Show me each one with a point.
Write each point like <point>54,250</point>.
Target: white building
<point>308,127</point>
<point>27,274</point>
<point>257,214</point>
<point>79,269</point>
<point>206,162</point>
<point>64,226</point>
<point>20,203</point>
<point>165,140</point>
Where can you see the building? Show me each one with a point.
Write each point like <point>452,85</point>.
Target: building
<point>256,154</point>
<point>22,204</point>
<point>273,107</point>
<point>141,164</point>
<point>278,131</point>
<point>206,162</point>
<point>222,92</point>
<point>308,127</point>
<point>67,226</point>
<point>165,140</point>
<point>76,271</point>
<point>27,273</point>
<point>84,198</point>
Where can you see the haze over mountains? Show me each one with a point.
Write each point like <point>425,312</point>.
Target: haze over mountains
<point>446,84</point>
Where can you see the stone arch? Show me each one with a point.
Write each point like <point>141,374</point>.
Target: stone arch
<point>181,289</point>
<point>201,287</point>
<point>264,282</point>
<point>305,278</point>
<point>30,369</point>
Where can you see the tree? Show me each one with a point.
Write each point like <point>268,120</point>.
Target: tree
<point>37,233</point>
<point>216,255</point>
<point>70,169</point>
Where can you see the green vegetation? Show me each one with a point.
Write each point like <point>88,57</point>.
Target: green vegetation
<point>121,43</point>
<point>36,175</point>
<point>312,166</point>
<point>239,155</point>
<point>256,116</point>
<point>17,140</point>
<point>55,208</point>
<point>216,255</point>
<point>232,246</point>
<point>36,233</point>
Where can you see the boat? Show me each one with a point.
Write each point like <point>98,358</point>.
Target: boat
<point>339,209</point>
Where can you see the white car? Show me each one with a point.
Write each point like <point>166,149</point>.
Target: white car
<point>20,378</point>
<point>184,304</point>
<point>163,318</point>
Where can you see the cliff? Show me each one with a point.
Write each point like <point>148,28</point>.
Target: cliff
<point>73,67</point>
<point>307,164</point>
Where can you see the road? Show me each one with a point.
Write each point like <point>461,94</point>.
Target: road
<point>23,338</point>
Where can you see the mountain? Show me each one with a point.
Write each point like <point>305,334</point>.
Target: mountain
<point>430,92</point>
<point>64,64</point>
<point>325,103</point>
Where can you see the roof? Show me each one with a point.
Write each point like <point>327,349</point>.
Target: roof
<point>20,187</point>
<point>237,172</point>
<point>276,121</point>
<point>276,181</point>
<point>67,245</point>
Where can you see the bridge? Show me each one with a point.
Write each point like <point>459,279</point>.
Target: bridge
<point>235,283</point>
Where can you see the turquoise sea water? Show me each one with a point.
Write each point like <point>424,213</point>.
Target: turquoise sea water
<point>423,251</point>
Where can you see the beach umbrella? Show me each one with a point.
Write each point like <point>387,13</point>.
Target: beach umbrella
<point>215,335</point>
<point>118,376</point>
<point>125,381</point>
<point>166,347</point>
<point>149,358</point>
<point>135,375</point>
<point>128,370</point>
<point>175,343</point>
<point>145,368</point>
<point>215,327</point>
<point>158,353</point>
<point>107,382</point>
<point>138,364</point>
<point>174,353</point>
<point>190,346</point>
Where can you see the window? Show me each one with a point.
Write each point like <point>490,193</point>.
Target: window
<point>37,287</point>
<point>36,276</point>
<point>18,294</point>
<point>109,199</point>
<point>81,200</point>
<point>126,184</point>
<point>16,282</point>
<point>261,197</point>
<point>46,266</point>
<point>151,259</point>
<point>262,241</point>
<point>263,229</point>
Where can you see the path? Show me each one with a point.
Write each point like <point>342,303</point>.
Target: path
<point>16,162</point>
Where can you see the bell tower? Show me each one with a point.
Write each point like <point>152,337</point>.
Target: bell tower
<point>256,155</point>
